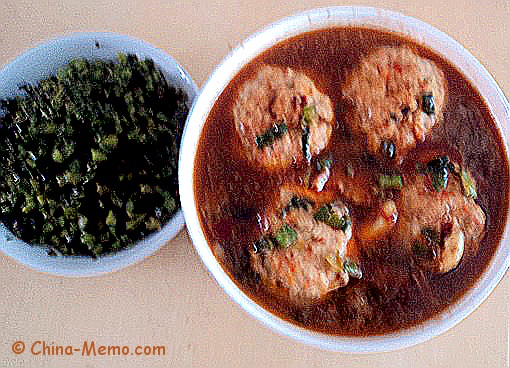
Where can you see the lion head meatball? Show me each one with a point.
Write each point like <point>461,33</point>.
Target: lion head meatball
<point>302,254</point>
<point>439,220</point>
<point>395,97</point>
<point>282,118</point>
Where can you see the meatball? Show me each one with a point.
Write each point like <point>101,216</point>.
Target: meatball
<point>395,97</point>
<point>301,255</point>
<point>437,225</point>
<point>281,118</point>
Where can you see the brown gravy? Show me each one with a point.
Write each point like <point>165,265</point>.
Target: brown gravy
<point>230,192</point>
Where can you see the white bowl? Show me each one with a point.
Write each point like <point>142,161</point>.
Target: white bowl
<point>44,60</point>
<point>261,41</point>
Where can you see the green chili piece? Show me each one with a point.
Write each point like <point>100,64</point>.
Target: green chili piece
<point>309,115</point>
<point>262,244</point>
<point>468,185</point>
<point>390,182</point>
<point>388,149</point>
<point>271,135</point>
<point>427,104</point>
<point>286,236</point>
<point>352,268</point>
<point>439,170</point>
<point>330,218</point>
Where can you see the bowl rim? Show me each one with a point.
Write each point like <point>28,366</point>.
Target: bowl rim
<point>35,257</point>
<point>262,40</point>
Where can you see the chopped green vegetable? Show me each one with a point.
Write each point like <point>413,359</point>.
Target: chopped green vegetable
<point>89,156</point>
<point>98,155</point>
<point>286,236</point>
<point>40,199</point>
<point>152,224</point>
<point>352,268</point>
<point>427,247</point>
<point>324,163</point>
<point>88,239</point>
<point>57,155</point>
<point>309,114</point>
<point>390,182</point>
<point>271,135</point>
<point>330,218</point>
<point>47,228</point>
<point>307,119</point>
<point>111,220</point>
<point>135,221</point>
<point>263,244</point>
<point>168,200</point>
<point>427,104</point>
<point>468,184</point>
<point>298,203</point>
<point>439,170</point>
<point>130,207</point>
<point>70,212</point>
<point>109,141</point>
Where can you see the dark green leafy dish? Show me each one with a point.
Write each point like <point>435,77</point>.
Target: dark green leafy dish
<point>88,158</point>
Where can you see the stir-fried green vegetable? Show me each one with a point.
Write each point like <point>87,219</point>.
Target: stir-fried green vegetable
<point>88,158</point>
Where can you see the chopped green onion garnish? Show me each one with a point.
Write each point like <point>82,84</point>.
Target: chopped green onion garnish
<point>427,104</point>
<point>390,182</point>
<point>269,136</point>
<point>352,268</point>
<point>468,185</point>
<point>330,218</point>
<point>439,170</point>
<point>286,236</point>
